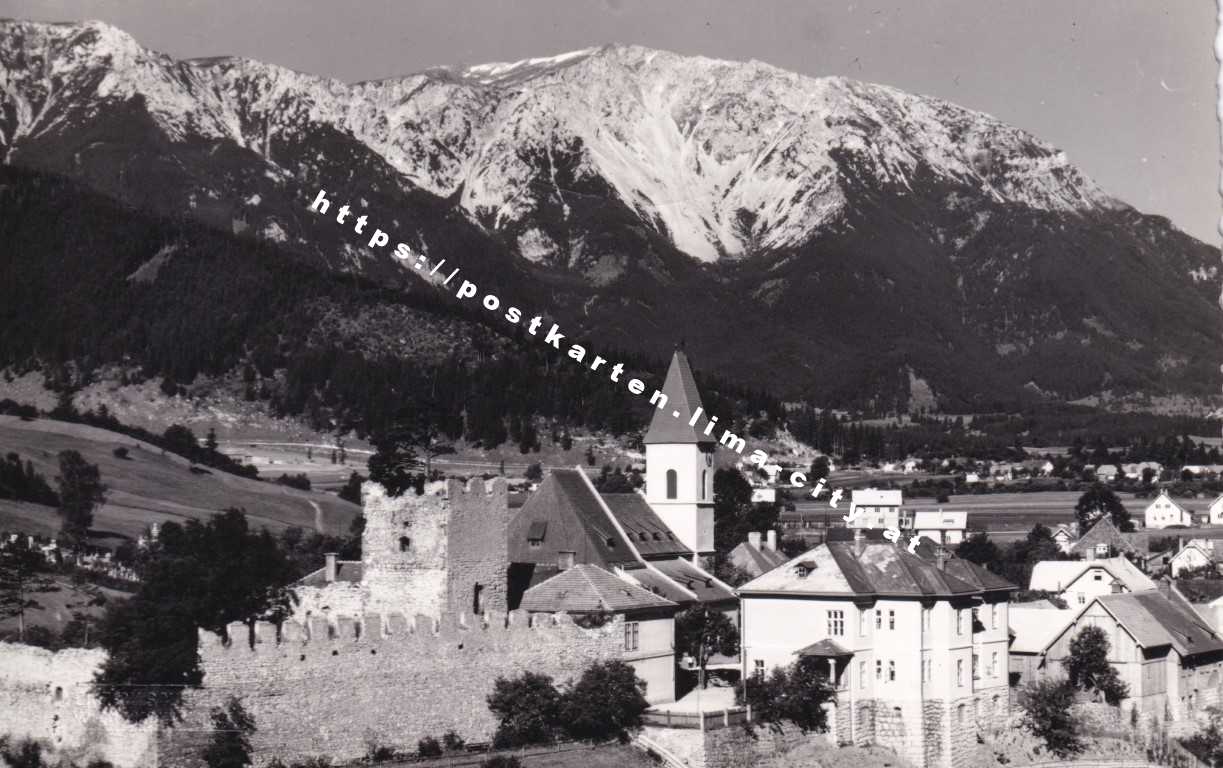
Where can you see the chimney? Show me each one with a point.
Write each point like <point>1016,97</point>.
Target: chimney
<point>940,559</point>
<point>859,542</point>
<point>330,568</point>
<point>1116,587</point>
<point>753,539</point>
<point>770,541</point>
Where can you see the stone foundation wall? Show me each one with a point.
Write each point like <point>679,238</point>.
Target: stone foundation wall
<point>336,689</point>
<point>48,697</point>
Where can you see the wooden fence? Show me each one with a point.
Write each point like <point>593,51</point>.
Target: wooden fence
<point>706,721</point>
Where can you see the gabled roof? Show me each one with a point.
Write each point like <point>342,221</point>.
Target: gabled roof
<point>1057,575</point>
<point>346,571</point>
<point>825,649</point>
<point>587,588</point>
<point>1163,494</point>
<point>1155,620</point>
<point>707,588</point>
<point>1104,531</point>
<point>649,534</point>
<point>880,569</point>
<point>683,398</point>
<point>761,559</point>
<point>565,499</point>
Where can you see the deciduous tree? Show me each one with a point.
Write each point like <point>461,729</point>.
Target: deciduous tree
<point>21,578</point>
<point>702,632</point>
<point>80,490</point>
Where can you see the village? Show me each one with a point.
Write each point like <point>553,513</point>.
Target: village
<point>919,645</point>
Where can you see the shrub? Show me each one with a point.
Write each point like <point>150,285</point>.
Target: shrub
<point>428,747</point>
<point>120,452</point>
<point>452,741</point>
<point>1046,708</point>
<point>534,472</point>
<point>606,701</point>
<point>795,693</point>
<point>527,710</point>
<point>298,481</point>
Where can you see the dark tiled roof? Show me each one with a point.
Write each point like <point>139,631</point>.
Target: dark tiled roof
<point>756,560</point>
<point>690,577</point>
<point>1155,620</point>
<point>563,499</point>
<point>587,589</point>
<point>659,585</point>
<point>1103,532</point>
<point>349,571</point>
<point>649,534</point>
<point>682,396</point>
<point>825,648</point>
<point>881,568</point>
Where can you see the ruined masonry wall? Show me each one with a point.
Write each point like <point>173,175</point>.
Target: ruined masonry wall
<point>335,689</point>
<point>477,542</point>
<point>48,697</point>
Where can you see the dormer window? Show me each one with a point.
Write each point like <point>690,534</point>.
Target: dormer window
<point>804,568</point>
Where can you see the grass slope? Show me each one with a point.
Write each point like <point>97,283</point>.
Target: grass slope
<point>154,486</point>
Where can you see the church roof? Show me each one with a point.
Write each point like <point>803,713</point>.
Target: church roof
<point>670,423</point>
<point>649,534</point>
<point>587,588</point>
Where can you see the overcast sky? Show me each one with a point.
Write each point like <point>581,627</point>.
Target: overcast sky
<point>1125,87</point>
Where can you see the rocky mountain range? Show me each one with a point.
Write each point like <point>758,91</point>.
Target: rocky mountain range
<point>823,238</point>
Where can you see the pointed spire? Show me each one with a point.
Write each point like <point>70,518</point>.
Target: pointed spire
<point>682,397</point>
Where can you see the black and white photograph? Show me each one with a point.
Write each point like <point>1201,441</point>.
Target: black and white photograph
<point>611,384</point>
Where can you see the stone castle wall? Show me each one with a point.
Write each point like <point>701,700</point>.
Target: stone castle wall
<point>336,689</point>
<point>48,697</point>
<point>477,547</point>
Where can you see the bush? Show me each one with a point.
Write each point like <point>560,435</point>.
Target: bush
<point>298,481</point>
<point>795,693</point>
<point>527,709</point>
<point>534,472</point>
<point>607,701</point>
<point>1046,709</point>
<point>452,741</point>
<point>428,747</point>
<point>502,761</point>
<point>120,453</point>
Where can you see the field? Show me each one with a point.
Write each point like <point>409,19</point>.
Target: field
<point>154,486</point>
<point>55,608</point>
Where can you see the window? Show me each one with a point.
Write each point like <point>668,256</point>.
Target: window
<point>925,619</point>
<point>878,669</point>
<point>891,671</point>
<point>672,484</point>
<point>404,543</point>
<point>862,620</point>
<point>878,618</point>
<point>1098,577</point>
<point>993,664</point>
<point>704,482</point>
<point>758,670</point>
<point>927,670</point>
<point>993,616</point>
<point>836,623</point>
<point>959,621</point>
<point>534,543</point>
<point>976,667</point>
<point>891,619</point>
<point>959,672</point>
<point>631,630</point>
<point>477,599</point>
<point>1082,598</point>
<point>564,560</point>
<point>861,673</point>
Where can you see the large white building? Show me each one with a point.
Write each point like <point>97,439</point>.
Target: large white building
<point>875,508</point>
<point>1078,581</point>
<point>1164,512</point>
<point>915,646</point>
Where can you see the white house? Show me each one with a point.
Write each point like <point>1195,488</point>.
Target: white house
<point>1107,472</point>
<point>1216,511</point>
<point>1065,537</point>
<point>942,527</point>
<point>916,647</point>
<point>1198,553</point>
<point>1164,512</point>
<point>1077,581</point>
<point>879,509</point>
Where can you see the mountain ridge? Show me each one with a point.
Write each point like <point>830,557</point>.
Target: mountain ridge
<point>646,196</point>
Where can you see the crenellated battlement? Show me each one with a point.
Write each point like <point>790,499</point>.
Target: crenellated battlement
<point>374,629</point>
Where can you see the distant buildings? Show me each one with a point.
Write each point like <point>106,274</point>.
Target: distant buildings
<point>879,509</point>
<point>756,556</point>
<point>941,527</point>
<point>1215,511</point>
<point>1101,540</point>
<point>1196,554</point>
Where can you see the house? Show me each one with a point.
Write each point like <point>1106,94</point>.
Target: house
<point>1101,539</point>
<point>942,527</point>
<point>1167,655</point>
<point>1197,553</point>
<point>877,508</point>
<point>911,465</point>
<point>1107,472</point>
<point>591,596</point>
<point>972,478</point>
<point>1216,511</point>
<point>1163,512</point>
<point>1135,471</point>
<point>1033,630</point>
<point>1065,537</point>
<point>916,647</point>
<point>1077,581</point>
<point>755,556</point>
<point>764,494</point>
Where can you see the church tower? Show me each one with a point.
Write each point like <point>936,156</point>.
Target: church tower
<point>679,460</point>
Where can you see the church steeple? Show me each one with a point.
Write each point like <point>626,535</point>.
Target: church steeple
<point>679,460</point>
<point>683,398</point>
